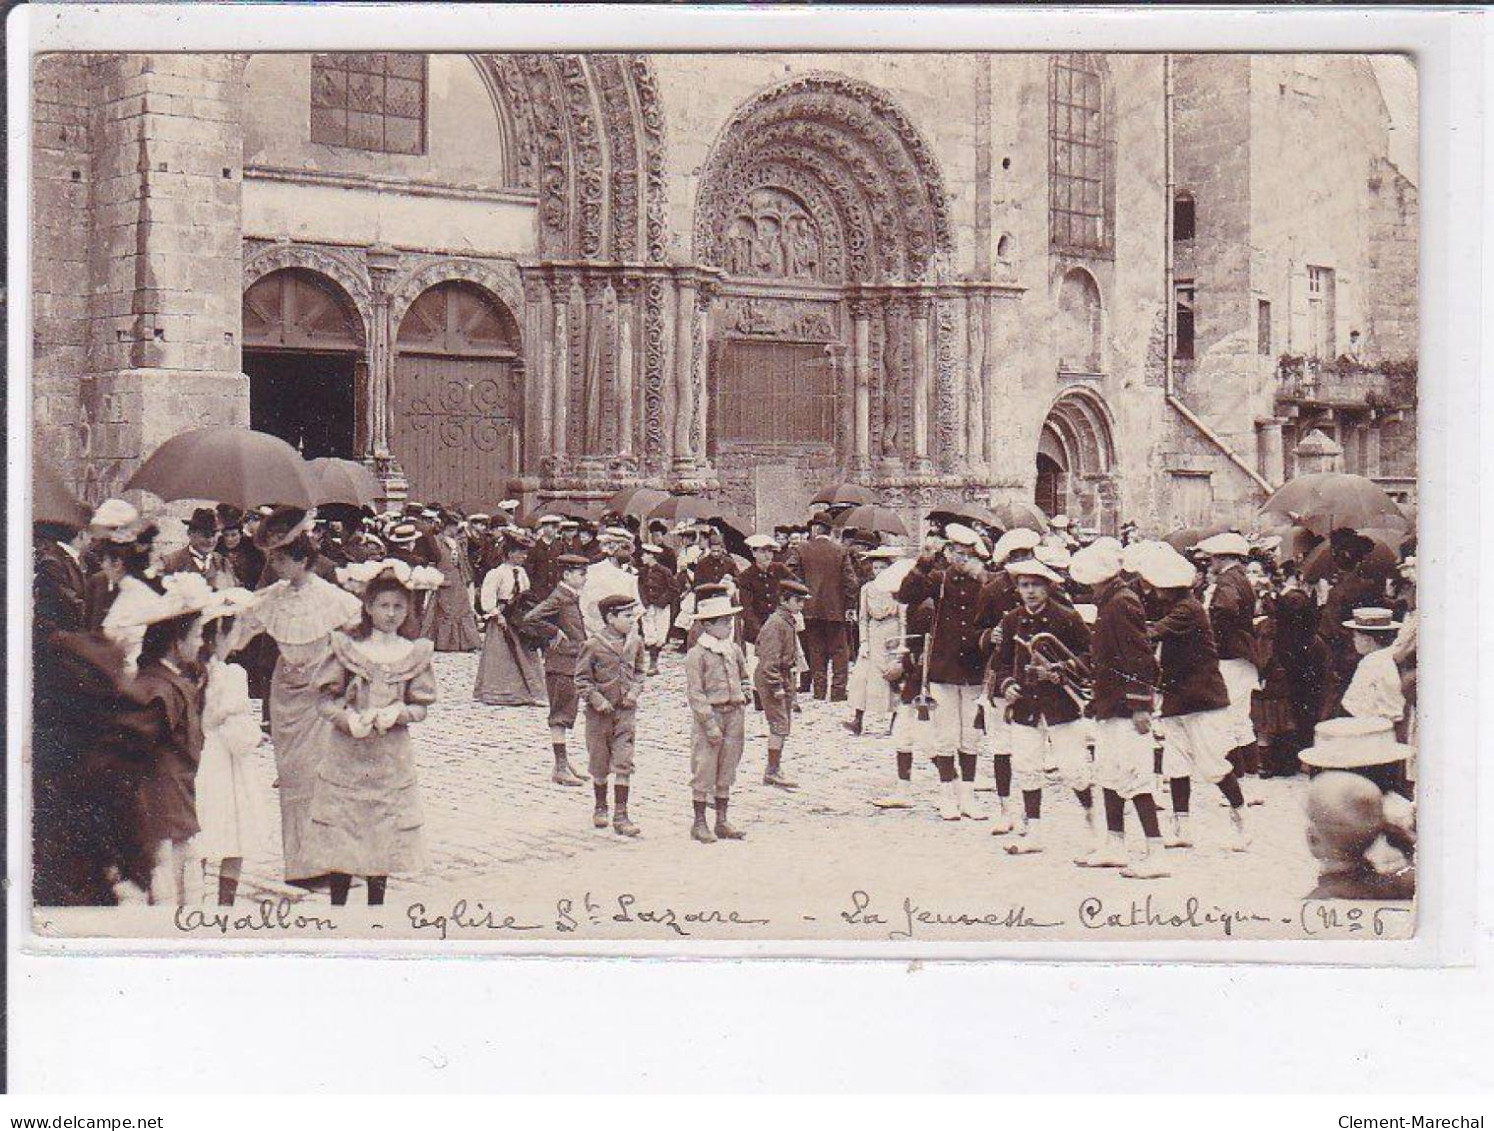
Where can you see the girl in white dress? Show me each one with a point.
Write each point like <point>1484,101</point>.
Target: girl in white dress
<point>231,813</point>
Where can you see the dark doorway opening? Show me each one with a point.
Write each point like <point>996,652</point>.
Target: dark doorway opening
<point>307,399</point>
<point>1050,487</point>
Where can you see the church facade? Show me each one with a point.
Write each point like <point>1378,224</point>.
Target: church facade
<point>947,277</point>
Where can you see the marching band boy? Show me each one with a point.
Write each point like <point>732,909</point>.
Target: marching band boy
<point>1041,709</point>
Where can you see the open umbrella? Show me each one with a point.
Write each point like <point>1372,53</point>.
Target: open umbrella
<point>1019,513</point>
<point>1383,556</point>
<point>226,465</point>
<point>695,508</point>
<point>873,520</point>
<point>636,501</point>
<point>1328,500</point>
<point>966,513</point>
<point>344,481</point>
<point>51,501</point>
<point>853,493</point>
<point>1184,538</point>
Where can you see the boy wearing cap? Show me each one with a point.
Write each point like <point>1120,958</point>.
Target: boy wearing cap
<point>1036,678</point>
<point>997,598</point>
<point>774,679</point>
<point>609,674</point>
<point>956,667</point>
<point>1230,600</point>
<point>757,587</point>
<point>559,616</point>
<point>542,563</point>
<point>716,686</point>
<point>1124,670</point>
<point>1196,723</point>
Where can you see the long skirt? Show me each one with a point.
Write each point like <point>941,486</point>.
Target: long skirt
<point>300,737</point>
<point>869,690</point>
<point>366,816</point>
<point>510,674</point>
<point>228,807</point>
<point>449,620</point>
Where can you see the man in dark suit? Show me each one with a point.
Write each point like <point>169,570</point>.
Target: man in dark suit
<point>59,589</point>
<point>200,554</point>
<point>826,567</point>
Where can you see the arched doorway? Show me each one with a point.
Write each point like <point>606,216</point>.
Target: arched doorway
<point>1076,461</point>
<point>303,354</point>
<point>457,404</point>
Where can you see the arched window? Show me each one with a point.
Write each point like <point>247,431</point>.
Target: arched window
<point>1081,178</point>
<point>1079,323</point>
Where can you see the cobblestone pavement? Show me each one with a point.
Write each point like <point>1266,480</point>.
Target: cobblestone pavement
<point>507,840</point>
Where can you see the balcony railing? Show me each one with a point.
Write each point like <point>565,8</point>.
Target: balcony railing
<point>1388,384</point>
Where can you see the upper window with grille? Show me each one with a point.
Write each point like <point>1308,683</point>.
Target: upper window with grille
<point>371,101</point>
<point>1080,176</point>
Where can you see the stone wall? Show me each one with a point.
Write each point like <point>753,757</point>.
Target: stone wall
<point>1391,299</point>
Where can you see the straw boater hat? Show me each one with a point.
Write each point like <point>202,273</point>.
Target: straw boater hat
<point>1134,554</point>
<point>1032,567</point>
<point>1059,522</point>
<point>403,534</point>
<point>1373,621</point>
<point>549,520</point>
<point>883,554</point>
<point>1095,563</point>
<point>480,517</point>
<point>712,603</point>
<point>761,542</point>
<point>1013,541</point>
<point>1228,544</point>
<point>618,533</point>
<point>1164,568</point>
<point>573,561</point>
<point>959,534</point>
<point>1056,557</point>
<point>111,515</point>
<point>1351,743</point>
<point>651,548</point>
<point>282,526</point>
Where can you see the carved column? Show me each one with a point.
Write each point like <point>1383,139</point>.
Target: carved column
<point>700,365</point>
<point>382,265</point>
<point>684,377</point>
<point>627,293</point>
<point>894,382</point>
<point>560,374</point>
<point>921,383</point>
<point>592,376</point>
<point>974,393</point>
<point>861,375</point>
<point>538,322</point>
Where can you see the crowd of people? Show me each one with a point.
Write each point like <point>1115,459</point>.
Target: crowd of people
<point>1106,670</point>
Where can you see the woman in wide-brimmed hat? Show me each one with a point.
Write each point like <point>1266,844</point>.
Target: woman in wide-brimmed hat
<point>299,612</point>
<point>449,620</point>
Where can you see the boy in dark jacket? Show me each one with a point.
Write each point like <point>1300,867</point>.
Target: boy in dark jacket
<point>910,734</point>
<point>775,680</point>
<point>956,667</point>
<point>1036,679</point>
<point>1195,702</point>
<point>559,617</point>
<point>1125,676</point>
<point>609,672</point>
<point>658,588</point>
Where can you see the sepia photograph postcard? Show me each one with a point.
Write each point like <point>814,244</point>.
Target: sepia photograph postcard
<point>764,497</point>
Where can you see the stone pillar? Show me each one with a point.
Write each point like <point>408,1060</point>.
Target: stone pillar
<point>383,262</point>
<point>1272,449</point>
<point>538,323</point>
<point>684,377</point>
<point>627,293</point>
<point>1317,451</point>
<point>975,392</point>
<point>1372,447</point>
<point>560,375</point>
<point>861,376</point>
<point>922,383</point>
<point>165,247</point>
<point>894,375</point>
<point>593,375</point>
<point>700,364</point>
